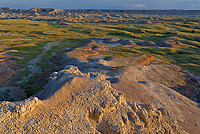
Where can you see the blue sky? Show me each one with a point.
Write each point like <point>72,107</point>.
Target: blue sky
<point>103,4</point>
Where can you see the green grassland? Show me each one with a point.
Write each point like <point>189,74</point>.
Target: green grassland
<point>34,35</point>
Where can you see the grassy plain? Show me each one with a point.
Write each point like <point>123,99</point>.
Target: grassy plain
<point>30,38</point>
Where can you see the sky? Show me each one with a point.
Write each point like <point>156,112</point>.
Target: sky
<point>103,4</point>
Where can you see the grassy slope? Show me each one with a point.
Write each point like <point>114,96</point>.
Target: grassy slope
<point>187,56</point>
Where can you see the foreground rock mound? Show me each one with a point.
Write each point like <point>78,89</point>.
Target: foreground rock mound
<point>104,110</point>
<point>98,108</point>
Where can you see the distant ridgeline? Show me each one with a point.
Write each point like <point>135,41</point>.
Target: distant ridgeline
<point>53,11</point>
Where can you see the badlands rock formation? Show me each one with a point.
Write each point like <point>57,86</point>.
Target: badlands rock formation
<point>73,102</point>
<point>53,11</point>
<point>85,96</point>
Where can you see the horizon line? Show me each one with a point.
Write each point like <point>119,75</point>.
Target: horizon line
<point>100,9</point>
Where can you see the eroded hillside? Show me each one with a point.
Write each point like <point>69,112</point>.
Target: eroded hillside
<point>98,108</point>
<point>99,73</point>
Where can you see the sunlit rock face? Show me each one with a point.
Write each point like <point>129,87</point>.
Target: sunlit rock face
<point>97,109</point>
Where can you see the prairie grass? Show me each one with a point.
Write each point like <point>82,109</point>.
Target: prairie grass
<point>34,35</point>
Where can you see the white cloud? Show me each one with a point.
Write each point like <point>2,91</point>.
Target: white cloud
<point>135,5</point>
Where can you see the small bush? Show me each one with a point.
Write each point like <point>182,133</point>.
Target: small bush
<point>193,31</point>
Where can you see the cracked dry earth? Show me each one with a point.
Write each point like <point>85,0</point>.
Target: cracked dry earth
<point>94,107</point>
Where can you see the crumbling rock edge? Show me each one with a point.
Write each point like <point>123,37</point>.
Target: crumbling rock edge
<point>12,109</point>
<point>100,109</point>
